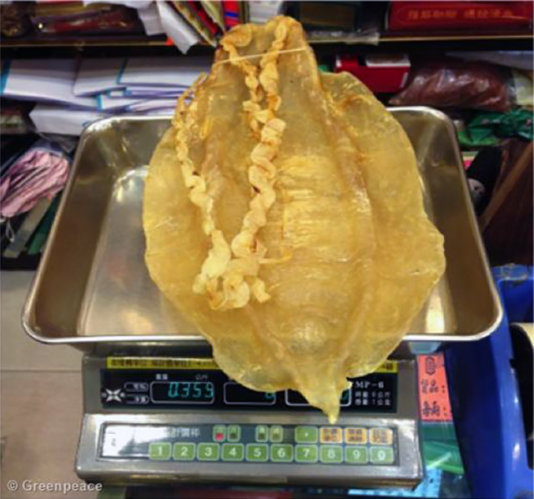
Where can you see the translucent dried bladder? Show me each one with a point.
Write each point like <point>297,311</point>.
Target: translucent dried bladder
<point>284,218</point>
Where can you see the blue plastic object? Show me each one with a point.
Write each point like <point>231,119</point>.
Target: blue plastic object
<point>485,398</point>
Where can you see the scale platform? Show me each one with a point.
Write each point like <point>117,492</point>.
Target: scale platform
<point>155,418</point>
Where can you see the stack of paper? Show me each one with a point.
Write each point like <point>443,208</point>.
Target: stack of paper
<point>166,72</point>
<point>70,94</point>
<point>43,80</point>
<point>97,75</point>
<point>56,119</point>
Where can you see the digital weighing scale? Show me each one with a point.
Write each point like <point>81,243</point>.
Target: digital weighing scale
<point>182,418</point>
<point>157,409</point>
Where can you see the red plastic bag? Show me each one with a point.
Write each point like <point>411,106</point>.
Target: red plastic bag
<point>457,84</point>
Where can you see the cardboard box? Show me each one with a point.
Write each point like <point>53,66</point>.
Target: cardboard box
<point>386,73</point>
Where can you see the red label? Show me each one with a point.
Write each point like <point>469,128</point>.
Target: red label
<point>434,402</point>
<point>456,15</point>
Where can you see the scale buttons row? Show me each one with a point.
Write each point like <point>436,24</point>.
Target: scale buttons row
<point>347,435</point>
<point>307,434</point>
<point>275,453</point>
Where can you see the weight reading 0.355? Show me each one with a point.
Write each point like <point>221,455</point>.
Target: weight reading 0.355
<point>177,392</point>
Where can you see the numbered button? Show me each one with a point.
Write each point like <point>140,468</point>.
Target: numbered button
<point>306,453</point>
<point>208,452</point>
<point>330,454</point>
<point>306,434</point>
<point>258,453</point>
<point>382,455</point>
<point>184,451</point>
<point>159,451</point>
<point>233,452</point>
<point>281,453</point>
<point>356,454</point>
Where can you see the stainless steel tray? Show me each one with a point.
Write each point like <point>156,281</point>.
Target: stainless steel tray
<point>92,287</point>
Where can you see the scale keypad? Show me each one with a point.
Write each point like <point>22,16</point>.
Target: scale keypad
<point>306,444</point>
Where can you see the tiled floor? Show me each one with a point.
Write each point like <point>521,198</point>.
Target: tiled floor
<point>41,403</point>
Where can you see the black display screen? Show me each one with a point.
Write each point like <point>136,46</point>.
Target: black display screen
<point>295,399</point>
<point>182,392</point>
<point>211,389</point>
<point>235,394</point>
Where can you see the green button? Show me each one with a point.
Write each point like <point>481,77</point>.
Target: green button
<point>382,455</point>
<point>233,433</point>
<point>331,454</point>
<point>159,451</point>
<point>281,453</point>
<point>257,452</point>
<point>306,453</point>
<point>306,434</point>
<point>233,452</point>
<point>355,454</point>
<point>277,434</point>
<point>219,433</point>
<point>262,433</point>
<point>184,451</point>
<point>208,452</point>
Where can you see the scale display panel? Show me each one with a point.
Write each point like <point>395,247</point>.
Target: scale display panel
<point>176,386</point>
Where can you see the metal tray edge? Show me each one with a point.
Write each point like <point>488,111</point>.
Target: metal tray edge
<point>30,299</point>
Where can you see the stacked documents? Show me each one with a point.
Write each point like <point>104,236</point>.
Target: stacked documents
<point>70,94</point>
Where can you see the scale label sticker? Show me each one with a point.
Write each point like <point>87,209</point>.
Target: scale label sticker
<point>159,363</point>
<point>389,366</point>
<point>434,402</point>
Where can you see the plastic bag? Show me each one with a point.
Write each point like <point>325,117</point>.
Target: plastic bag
<point>41,172</point>
<point>457,84</point>
<point>486,128</point>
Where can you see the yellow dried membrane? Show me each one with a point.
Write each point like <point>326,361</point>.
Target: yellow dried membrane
<point>284,217</point>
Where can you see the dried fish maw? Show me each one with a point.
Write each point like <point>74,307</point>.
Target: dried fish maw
<point>409,258</point>
<point>284,218</point>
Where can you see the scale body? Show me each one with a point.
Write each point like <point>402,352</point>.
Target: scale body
<point>164,419</point>
<point>92,291</point>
